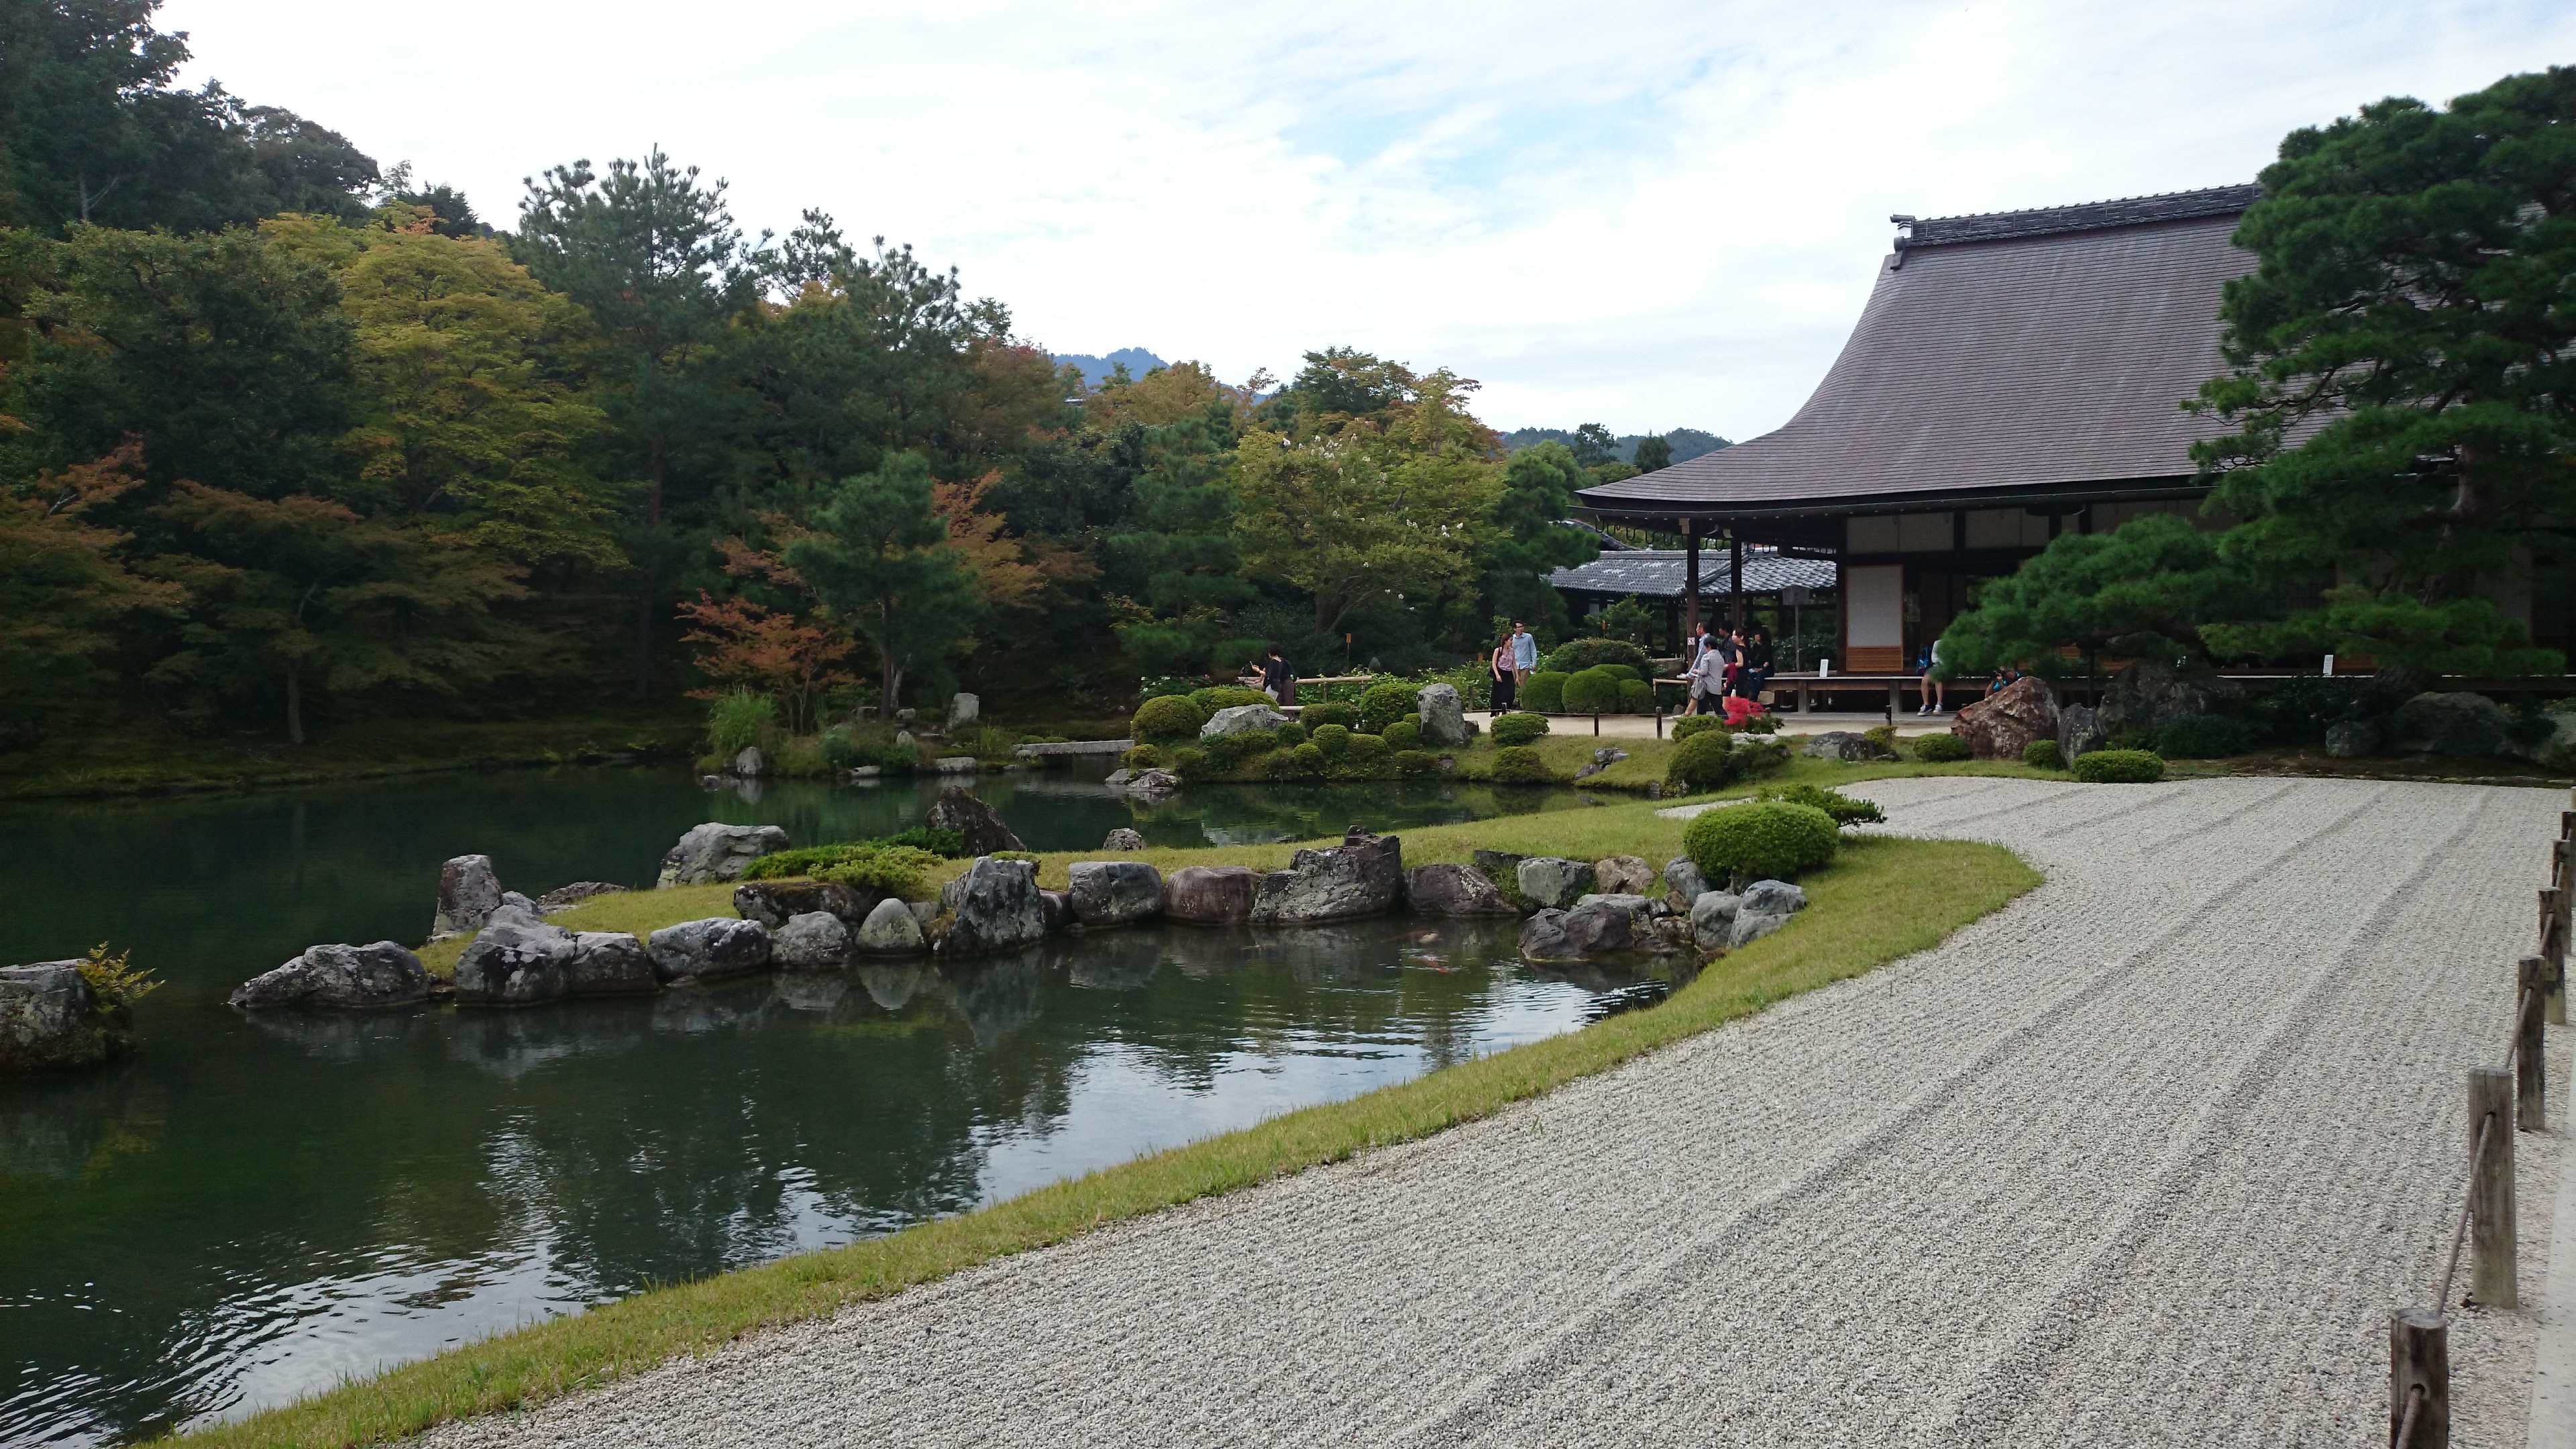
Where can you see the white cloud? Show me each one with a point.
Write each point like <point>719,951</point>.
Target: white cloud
<point>1649,215</point>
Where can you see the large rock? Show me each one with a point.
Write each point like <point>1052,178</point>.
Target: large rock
<point>1151,785</point>
<point>2079,731</point>
<point>708,950</point>
<point>610,963</point>
<point>975,822</point>
<point>1444,717</point>
<point>1055,910</point>
<point>1211,895</point>
<point>515,960</point>
<point>814,941</point>
<point>50,1020</point>
<point>1599,925</point>
<point>1455,890</point>
<point>1241,719</point>
<point>2461,724</point>
<point>1552,881</point>
<point>1848,746</point>
<point>997,908</point>
<point>1114,892</point>
<point>1123,838</point>
<point>1683,884</point>
<point>1712,917</point>
<point>890,930</point>
<point>383,974</point>
<point>716,852</point>
<point>2351,739</point>
<point>1623,875</point>
<point>2003,724</point>
<point>751,764</point>
<point>1362,876</point>
<point>1543,938</point>
<point>774,903</point>
<point>468,890</point>
<point>964,709</point>
<point>1766,907</point>
<point>2153,693</point>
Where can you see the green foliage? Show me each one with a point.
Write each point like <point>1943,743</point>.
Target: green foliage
<point>1576,655</point>
<point>1167,720</point>
<point>1144,757</point>
<point>1416,762</point>
<point>2043,755</point>
<point>1762,840</point>
<point>1307,759</point>
<point>1523,765</point>
<point>1692,725</point>
<point>1884,736</point>
<point>1389,701</point>
<point>1403,733</point>
<point>114,980</point>
<point>1531,537</point>
<point>1592,691</point>
<point>897,869</point>
<point>804,758</point>
<point>2119,767</point>
<point>1190,762</point>
<point>1225,696</point>
<point>1290,735</point>
<point>1316,716</point>
<point>1544,692</point>
<point>1941,748</point>
<point>739,719</point>
<point>1229,752</point>
<point>1330,740</point>
<point>1365,755</point>
<point>878,557</point>
<point>2204,737</point>
<point>1843,808</point>
<point>2154,583</point>
<point>1519,728</point>
<point>1636,697</point>
<point>1703,762</point>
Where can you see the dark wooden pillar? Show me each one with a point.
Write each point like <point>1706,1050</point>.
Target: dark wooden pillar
<point>1734,580</point>
<point>1690,578</point>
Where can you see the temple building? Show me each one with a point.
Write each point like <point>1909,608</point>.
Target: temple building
<point>2013,376</point>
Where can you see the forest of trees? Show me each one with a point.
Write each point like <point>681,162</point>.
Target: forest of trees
<point>286,438</point>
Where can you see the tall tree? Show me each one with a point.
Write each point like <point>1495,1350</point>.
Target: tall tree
<point>1653,452</point>
<point>655,257</point>
<point>65,591</point>
<point>1532,538</point>
<point>878,558</point>
<point>2153,586</point>
<point>2402,383</point>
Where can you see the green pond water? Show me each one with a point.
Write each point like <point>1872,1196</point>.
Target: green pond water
<point>254,1207</point>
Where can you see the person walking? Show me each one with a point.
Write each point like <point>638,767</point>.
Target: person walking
<point>1935,694</point>
<point>1277,679</point>
<point>1524,654</point>
<point>1707,678</point>
<point>1757,664</point>
<point>1506,691</point>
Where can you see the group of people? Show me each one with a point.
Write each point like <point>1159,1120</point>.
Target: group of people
<point>1718,663</point>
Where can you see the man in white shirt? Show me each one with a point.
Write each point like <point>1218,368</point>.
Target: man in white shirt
<point>1707,679</point>
<point>1524,652</point>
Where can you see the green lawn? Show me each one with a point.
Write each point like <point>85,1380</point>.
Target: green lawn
<point>1885,898</point>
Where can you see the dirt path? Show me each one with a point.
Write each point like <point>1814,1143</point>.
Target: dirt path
<point>2144,1158</point>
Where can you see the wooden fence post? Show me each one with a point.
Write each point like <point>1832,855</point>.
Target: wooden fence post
<point>2492,1269</point>
<point>2530,1085</point>
<point>2553,944</point>
<point>2419,1360</point>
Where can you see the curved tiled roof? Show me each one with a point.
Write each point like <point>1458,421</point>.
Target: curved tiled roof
<point>1658,573</point>
<point>2012,351</point>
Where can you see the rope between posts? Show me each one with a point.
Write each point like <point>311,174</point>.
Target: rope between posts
<point>2468,1205</point>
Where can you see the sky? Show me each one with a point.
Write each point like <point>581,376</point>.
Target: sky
<point>1645,215</point>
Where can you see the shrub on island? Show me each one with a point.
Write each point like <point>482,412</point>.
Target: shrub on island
<point>1403,734</point>
<point>2119,767</point>
<point>1336,713</point>
<point>1843,808</point>
<point>1522,765</point>
<point>1764,839</point>
<point>1168,720</point>
<point>1519,729</point>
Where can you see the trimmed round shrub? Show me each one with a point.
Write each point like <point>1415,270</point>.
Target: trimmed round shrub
<point>1289,735</point>
<point>1522,765</point>
<point>2043,755</point>
<point>1843,808</point>
<point>1330,740</point>
<point>1308,759</point>
<point>1190,762</point>
<point>1636,696</point>
<point>1388,702</point>
<point>1225,696</point>
<point>1765,839</point>
<point>1696,724</point>
<point>1519,729</point>
<point>1544,691</point>
<point>2119,767</point>
<point>1143,757</point>
<point>1404,733</point>
<point>1705,761</point>
<point>1942,747</point>
<point>1624,671</point>
<point>1416,762</point>
<point>1594,691</point>
<point>1753,756</point>
<point>2204,737</point>
<point>1314,716</point>
<point>1365,754</point>
<point>1575,655</point>
<point>1228,751</point>
<point>1167,720</point>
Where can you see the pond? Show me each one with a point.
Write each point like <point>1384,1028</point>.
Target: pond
<point>252,1208</point>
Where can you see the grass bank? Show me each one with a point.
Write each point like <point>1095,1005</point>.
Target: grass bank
<point>1885,898</point>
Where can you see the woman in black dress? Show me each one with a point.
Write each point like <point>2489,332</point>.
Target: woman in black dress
<point>1506,690</point>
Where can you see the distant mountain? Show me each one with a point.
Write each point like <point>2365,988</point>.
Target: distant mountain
<point>1687,442</point>
<point>1096,370</point>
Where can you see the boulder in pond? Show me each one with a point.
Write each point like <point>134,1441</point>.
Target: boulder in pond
<point>50,1020</point>
<point>977,824</point>
<point>1362,876</point>
<point>1241,719</point>
<point>1443,715</point>
<point>610,963</point>
<point>2010,720</point>
<point>814,941</point>
<point>1552,881</point>
<point>468,890</point>
<point>1610,924</point>
<point>1543,938</point>
<point>1211,895</point>
<point>1455,890</point>
<point>1114,892</point>
<point>1123,838</point>
<point>751,764</point>
<point>708,950</point>
<point>1623,875</point>
<point>716,852</point>
<point>1848,746</point>
<point>1712,917</point>
<point>383,974</point>
<point>1683,884</point>
<point>964,709</point>
<point>890,930</point>
<point>774,903</point>
<point>997,908</point>
<point>1055,908</point>
<point>2456,723</point>
<point>1150,785</point>
<point>514,960</point>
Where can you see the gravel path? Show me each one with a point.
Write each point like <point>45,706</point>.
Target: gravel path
<point>2144,1158</point>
